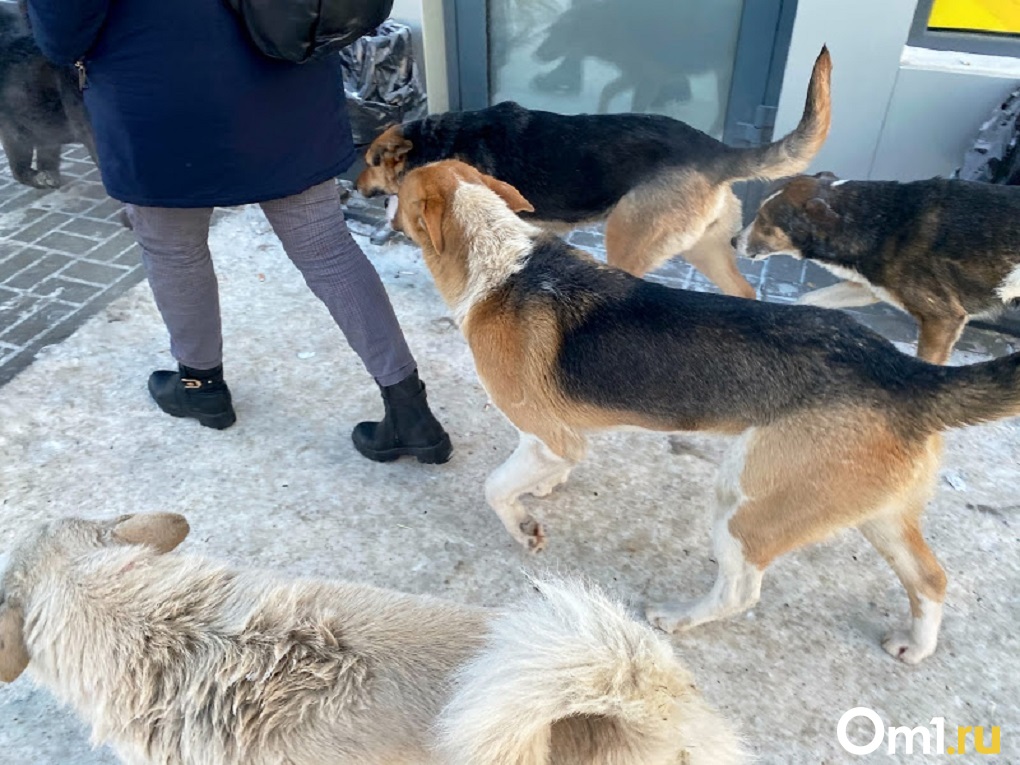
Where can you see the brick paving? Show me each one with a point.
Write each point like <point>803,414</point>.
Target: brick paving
<point>63,256</point>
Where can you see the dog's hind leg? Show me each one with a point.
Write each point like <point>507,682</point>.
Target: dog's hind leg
<point>896,534</point>
<point>714,256</point>
<point>802,479</point>
<point>533,468</point>
<point>652,224</point>
<point>842,295</point>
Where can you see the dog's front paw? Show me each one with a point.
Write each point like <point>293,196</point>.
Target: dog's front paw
<point>901,645</point>
<point>45,179</point>
<point>670,618</point>
<point>531,535</point>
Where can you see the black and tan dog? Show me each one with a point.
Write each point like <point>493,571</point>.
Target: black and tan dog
<point>836,427</point>
<point>943,251</point>
<point>41,107</point>
<point>663,187</point>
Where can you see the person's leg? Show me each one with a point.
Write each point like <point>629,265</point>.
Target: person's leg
<point>175,253</point>
<point>314,234</point>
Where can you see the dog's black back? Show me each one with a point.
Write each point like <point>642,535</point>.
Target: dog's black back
<point>570,168</point>
<point>41,108</point>
<point>691,358</point>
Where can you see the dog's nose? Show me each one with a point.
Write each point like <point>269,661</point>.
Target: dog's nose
<point>733,243</point>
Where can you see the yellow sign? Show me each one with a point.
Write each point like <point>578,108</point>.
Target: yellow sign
<point>1001,16</point>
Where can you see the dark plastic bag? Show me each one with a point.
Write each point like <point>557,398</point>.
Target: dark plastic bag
<point>381,81</point>
<point>995,155</point>
<point>300,30</point>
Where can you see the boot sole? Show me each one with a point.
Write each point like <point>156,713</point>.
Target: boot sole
<point>214,421</point>
<point>428,455</point>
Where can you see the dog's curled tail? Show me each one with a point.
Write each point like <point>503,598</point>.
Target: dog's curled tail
<point>793,153</point>
<point>568,677</point>
<point>972,394</point>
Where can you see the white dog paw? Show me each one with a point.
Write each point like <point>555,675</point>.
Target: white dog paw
<point>670,618</point>
<point>530,535</point>
<point>900,645</point>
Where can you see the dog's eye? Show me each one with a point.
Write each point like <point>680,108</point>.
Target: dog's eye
<point>374,160</point>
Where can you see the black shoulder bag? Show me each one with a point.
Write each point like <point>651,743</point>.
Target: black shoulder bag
<point>302,30</point>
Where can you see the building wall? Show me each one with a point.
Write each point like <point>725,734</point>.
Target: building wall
<point>898,113</point>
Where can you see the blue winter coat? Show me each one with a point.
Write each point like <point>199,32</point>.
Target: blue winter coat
<point>186,112</point>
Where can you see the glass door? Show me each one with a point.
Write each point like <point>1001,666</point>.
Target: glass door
<point>672,57</point>
<point>715,64</point>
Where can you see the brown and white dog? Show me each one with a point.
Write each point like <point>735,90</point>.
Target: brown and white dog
<point>944,251</point>
<point>663,187</point>
<point>836,427</point>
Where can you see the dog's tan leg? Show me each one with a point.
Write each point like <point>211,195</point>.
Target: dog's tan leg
<point>842,295</point>
<point>648,226</point>
<point>533,468</point>
<point>896,534</point>
<point>938,336</point>
<point>713,255</point>
<point>801,480</point>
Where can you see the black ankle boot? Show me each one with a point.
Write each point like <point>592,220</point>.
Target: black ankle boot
<point>408,427</point>
<point>198,393</point>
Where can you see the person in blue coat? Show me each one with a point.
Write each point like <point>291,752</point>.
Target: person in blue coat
<point>189,115</point>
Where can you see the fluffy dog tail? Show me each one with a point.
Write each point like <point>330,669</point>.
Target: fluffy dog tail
<point>969,395</point>
<point>568,678</point>
<point>793,153</point>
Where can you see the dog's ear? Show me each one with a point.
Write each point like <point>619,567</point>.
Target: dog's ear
<point>431,214</point>
<point>13,652</point>
<point>394,145</point>
<point>820,212</point>
<point>163,531</point>
<point>513,198</point>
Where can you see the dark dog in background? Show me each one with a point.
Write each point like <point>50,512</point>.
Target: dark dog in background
<point>41,106</point>
<point>944,251</point>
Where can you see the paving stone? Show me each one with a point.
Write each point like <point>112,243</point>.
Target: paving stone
<point>77,153</point>
<point>41,227</point>
<point>14,310</point>
<point>47,314</point>
<point>96,273</point>
<point>132,258</point>
<point>24,199</point>
<point>58,240</point>
<point>816,277</point>
<point>67,290</point>
<point>115,247</point>
<point>22,259</point>
<point>105,209</point>
<point>20,221</point>
<point>783,268</point>
<point>75,169</point>
<point>95,229</point>
<point>42,269</point>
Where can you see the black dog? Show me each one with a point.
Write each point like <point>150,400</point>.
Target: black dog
<point>41,106</point>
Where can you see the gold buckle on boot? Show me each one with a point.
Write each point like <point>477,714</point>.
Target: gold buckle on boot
<point>191,383</point>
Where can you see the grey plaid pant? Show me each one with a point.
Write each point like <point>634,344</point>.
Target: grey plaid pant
<point>311,227</point>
